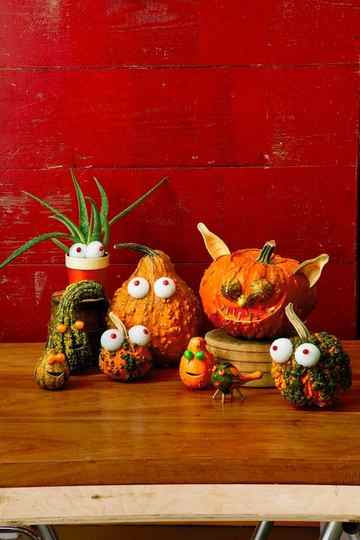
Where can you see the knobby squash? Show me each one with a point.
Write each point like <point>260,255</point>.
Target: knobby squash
<point>309,369</point>
<point>156,297</point>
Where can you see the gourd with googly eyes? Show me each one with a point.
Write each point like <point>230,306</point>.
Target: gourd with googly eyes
<point>125,355</point>
<point>311,369</point>
<point>156,297</point>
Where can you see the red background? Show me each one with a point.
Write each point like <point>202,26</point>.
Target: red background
<point>250,108</point>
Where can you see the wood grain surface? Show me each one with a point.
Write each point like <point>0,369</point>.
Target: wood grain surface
<point>99,432</point>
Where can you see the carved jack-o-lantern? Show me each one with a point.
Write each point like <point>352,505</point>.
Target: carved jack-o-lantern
<point>246,292</point>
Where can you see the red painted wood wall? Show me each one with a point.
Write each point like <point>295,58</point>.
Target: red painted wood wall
<point>250,107</point>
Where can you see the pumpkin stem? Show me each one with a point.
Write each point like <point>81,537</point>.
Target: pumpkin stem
<point>139,248</point>
<point>266,252</point>
<point>297,323</point>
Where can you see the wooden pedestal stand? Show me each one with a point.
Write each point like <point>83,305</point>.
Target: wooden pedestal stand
<point>247,356</point>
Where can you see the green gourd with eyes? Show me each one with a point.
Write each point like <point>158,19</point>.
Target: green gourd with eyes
<point>310,370</point>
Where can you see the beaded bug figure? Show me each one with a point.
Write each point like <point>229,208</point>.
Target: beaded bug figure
<point>227,379</point>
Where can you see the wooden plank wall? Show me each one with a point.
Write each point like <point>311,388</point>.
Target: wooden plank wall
<point>250,107</point>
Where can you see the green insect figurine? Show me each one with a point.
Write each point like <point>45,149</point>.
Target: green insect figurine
<point>227,379</point>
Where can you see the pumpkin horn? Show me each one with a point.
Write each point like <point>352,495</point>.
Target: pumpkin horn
<point>297,323</point>
<point>215,246</point>
<point>312,268</point>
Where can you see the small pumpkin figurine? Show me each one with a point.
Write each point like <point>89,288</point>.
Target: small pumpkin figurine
<point>125,355</point>
<point>155,296</point>
<point>196,365</point>
<point>246,292</point>
<point>227,379</point>
<point>310,370</point>
<point>52,371</point>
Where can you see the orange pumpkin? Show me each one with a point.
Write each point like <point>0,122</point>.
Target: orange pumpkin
<point>196,365</point>
<point>246,292</point>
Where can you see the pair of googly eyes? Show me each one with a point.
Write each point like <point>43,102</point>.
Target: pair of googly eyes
<point>112,339</point>
<point>139,287</point>
<point>307,354</point>
<point>92,250</point>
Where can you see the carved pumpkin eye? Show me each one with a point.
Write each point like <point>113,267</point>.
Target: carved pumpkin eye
<point>307,355</point>
<point>112,339</point>
<point>281,350</point>
<point>95,250</point>
<point>77,250</point>
<point>139,335</point>
<point>138,287</point>
<point>164,287</point>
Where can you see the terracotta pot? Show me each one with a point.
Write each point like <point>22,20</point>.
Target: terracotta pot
<point>95,269</point>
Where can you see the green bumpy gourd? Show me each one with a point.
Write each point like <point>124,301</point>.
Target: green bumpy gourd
<point>72,341</point>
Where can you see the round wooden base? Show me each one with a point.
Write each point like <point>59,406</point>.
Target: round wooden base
<point>245,355</point>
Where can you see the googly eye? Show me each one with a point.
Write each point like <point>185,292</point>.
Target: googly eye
<point>281,350</point>
<point>200,355</point>
<point>112,339</point>
<point>95,249</point>
<point>77,250</point>
<point>138,287</point>
<point>164,287</point>
<point>139,335</point>
<point>307,355</point>
<point>189,355</point>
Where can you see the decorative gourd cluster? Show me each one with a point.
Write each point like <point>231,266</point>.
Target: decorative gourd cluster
<point>310,370</point>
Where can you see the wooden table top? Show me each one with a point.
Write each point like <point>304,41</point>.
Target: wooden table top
<point>98,432</point>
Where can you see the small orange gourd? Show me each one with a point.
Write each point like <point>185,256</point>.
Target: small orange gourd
<point>196,365</point>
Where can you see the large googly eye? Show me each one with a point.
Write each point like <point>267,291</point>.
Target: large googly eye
<point>112,339</point>
<point>95,250</point>
<point>164,287</point>
<point>307,355</point>
<point>139,335</point>
<point>281,350</point>
<point>77,250</point>
<point>138,287</point>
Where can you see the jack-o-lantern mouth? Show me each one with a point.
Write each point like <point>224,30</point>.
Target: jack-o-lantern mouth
<point>193,374</point>
<point>251,314</point>
<point>54,373</point>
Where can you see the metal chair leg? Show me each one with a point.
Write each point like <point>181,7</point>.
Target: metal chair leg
<point>10,533</point>
<point>262,531</point>
<point>332,531</point>
<point>47,532</point>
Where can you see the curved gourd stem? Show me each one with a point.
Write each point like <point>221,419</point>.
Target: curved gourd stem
<point>297,323</point>
<point>120,326</point>
<point>215,246</point>
<point>139,248</point>
<point>267,252</point>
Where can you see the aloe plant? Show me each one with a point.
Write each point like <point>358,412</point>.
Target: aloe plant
<point>93,221</point>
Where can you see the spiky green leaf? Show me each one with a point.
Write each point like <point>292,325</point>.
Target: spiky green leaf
<point>60,245</point>
<point>96,228</point>
<point>136,203</point>
<point>75,231</point>
<point>29,244</point>
<point>104,213</point>
<point>82,208</point>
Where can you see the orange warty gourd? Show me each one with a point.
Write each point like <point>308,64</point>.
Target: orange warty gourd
<point>156,297</point>
<point>196,365</point>
<point>246,292</point>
